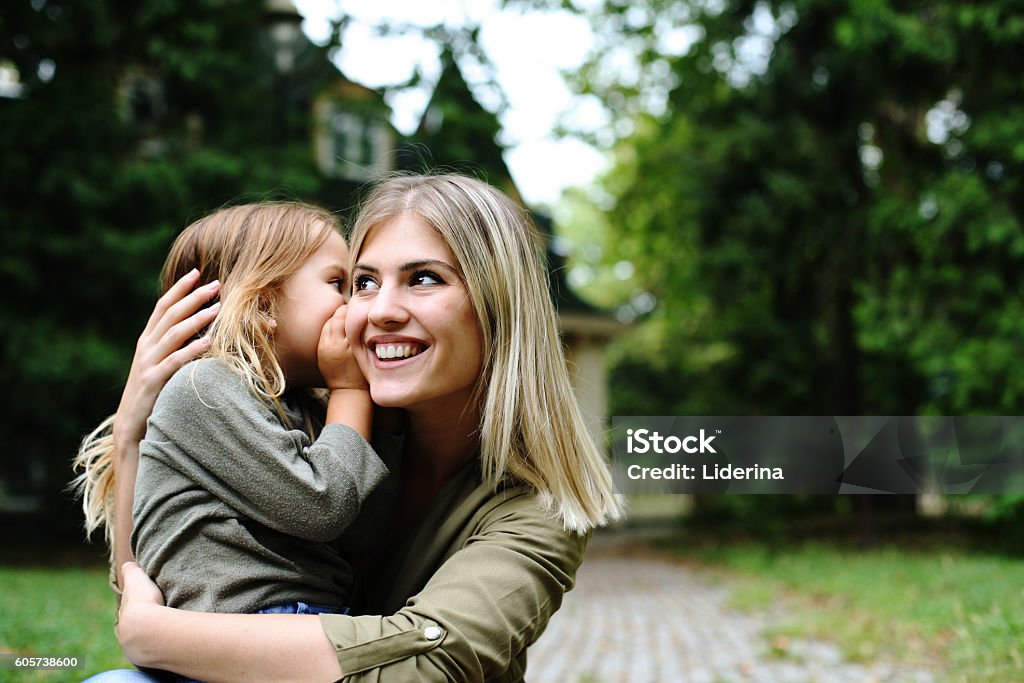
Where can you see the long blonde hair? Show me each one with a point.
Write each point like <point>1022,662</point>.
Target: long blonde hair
<point>531,428</point>
<point>252,249</point>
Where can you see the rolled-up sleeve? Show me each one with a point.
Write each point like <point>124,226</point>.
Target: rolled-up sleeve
<point>482,607</point>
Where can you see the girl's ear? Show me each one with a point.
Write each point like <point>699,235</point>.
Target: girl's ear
<point>266,313</point>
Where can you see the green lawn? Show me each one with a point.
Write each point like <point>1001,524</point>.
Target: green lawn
<point>961,611</point>
<point>964,611</point>
<point>58,612</point>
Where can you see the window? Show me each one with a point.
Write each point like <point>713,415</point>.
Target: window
<point>353,145</point>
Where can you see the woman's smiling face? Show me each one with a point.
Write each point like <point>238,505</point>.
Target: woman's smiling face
<point>410,319</point>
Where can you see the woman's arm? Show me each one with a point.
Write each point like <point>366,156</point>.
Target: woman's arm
<point>220,647</point>
<point>481,608</point>
<point>160,351</point>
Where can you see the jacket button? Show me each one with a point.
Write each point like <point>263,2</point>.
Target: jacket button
<point>432,632</point>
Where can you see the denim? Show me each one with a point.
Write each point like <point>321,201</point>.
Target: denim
<point>302,608</point>
<point>124,676</point>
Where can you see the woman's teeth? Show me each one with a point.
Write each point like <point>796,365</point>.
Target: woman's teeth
<point>388,351</point>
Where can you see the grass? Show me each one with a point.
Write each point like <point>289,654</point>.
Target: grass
<point>48,611</point>
<point>944,608</point>
<point>938,604</point>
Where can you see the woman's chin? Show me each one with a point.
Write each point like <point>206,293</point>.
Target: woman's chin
<point>389,399</point>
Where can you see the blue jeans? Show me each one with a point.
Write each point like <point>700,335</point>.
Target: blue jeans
<point>303,608</point>
<point>135,676</point>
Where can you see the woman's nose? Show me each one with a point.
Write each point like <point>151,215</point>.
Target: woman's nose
<point>388,309</point>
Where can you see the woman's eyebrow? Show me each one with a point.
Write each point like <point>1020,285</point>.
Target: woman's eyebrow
<point>411,265</point>
<point>414,265</point>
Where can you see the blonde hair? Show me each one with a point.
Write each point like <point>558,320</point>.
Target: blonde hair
<point>531,428</point>
<point>252,249</point>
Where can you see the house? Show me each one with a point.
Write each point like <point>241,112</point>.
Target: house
<point>456,132</point>
<point>353,141</point>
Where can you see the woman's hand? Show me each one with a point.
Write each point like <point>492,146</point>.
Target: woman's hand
<point>161,350</point>
<point>220,647</point>
<point>139,597</point>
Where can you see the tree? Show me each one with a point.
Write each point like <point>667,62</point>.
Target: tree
<point>129,121</point>
<point>825,199</point>
<point>833,189</point>
<point>119,125</point>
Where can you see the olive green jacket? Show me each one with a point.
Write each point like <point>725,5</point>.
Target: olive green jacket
<point>469,589</point>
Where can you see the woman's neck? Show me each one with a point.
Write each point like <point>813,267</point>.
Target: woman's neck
<point>438,446</point>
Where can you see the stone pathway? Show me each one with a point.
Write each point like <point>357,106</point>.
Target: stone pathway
<point>635,618</point>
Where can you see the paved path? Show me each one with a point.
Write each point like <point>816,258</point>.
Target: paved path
<point>636,618</point>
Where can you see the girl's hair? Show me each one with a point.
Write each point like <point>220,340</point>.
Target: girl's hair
<point>252,249</point>
<point>531,428</point>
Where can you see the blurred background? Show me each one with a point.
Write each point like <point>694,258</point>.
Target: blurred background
<point>753,208</point>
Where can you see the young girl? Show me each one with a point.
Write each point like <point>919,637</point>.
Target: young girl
<point>500,484</point>
<point>243,481</point>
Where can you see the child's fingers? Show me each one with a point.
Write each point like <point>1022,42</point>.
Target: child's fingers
<point>339,314</point>
<point>335,325</point>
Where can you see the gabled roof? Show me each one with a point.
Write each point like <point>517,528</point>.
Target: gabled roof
<point>457,133</point>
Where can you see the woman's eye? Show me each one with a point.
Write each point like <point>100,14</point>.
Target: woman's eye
<point>364,283</point>
<point>427,278</point>
<point>340,283</point>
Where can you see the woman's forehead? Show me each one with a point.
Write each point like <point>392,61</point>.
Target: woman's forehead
<point>402,238</point>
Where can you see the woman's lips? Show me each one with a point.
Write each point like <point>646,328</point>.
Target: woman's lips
<point>393,352</point>
<point>388,351</point>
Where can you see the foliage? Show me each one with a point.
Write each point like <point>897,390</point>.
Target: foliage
<point>833,190</point>
<point>119,125</point>
<point>132,120</point>
<point>825,199</point>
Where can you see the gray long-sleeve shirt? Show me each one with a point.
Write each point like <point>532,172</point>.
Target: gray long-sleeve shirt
<point>233,510</point>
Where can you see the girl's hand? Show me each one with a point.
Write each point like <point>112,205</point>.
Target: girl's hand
<point>162,349</point>
<point>335,356</point>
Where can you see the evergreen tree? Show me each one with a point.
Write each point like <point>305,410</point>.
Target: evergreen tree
<point>129,121</point>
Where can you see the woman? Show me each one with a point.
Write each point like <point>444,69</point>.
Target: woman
<point>451,322</point>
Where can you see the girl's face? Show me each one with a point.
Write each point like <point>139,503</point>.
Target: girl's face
<point>308,299</point>
<point>410,320</point>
